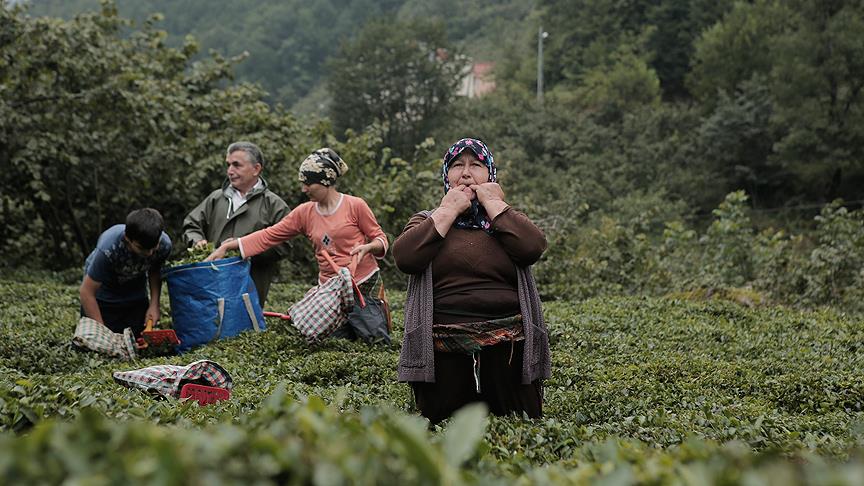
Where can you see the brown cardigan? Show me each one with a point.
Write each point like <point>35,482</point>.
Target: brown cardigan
<point>417,360</point>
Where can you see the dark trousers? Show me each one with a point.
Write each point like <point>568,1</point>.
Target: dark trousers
<point>262,273</point>
<point>120,316</point>
<point>501,387</point>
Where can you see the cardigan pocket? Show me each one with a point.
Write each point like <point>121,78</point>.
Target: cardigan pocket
<point>539,345</point>
<point>412,349</point>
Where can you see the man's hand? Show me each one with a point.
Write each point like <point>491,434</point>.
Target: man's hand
<point>153,313</point>
<point>87,293</point>
<point>200,243</point>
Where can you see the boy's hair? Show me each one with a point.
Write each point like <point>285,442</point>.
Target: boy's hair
<point>144,226</point>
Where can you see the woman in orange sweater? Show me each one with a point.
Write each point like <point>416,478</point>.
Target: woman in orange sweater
<point>340,224</point>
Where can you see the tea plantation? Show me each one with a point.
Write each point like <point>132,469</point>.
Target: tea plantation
<point>643,390</point>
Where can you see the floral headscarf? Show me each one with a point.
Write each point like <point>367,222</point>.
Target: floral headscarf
<point>474,217</point>
<point>323,167</point>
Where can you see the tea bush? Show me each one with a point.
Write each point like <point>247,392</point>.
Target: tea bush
<point>604,253</point>
<point>642,390</point>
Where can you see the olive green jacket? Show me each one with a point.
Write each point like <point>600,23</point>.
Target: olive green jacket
<point>210,221</point>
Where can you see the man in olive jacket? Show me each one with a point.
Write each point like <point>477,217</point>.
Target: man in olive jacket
<point>243,205</point>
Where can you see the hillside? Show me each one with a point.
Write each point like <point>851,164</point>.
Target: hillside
<point>289,41</point>
<point>648,388</point>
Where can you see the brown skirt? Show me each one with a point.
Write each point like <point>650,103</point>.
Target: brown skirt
<point>501,387</point>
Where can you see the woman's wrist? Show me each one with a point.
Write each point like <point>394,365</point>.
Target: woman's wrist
<point>443,213</point>
<point>443,218</point>
<point>495,207</point>
<point>377,248</point>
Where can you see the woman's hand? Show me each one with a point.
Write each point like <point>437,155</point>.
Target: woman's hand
<point>219,253</point>
<point>455,202</point>
<point>457,199</point>
<point>376,247</point>
<point>491,196</point>
<point>488,191</point>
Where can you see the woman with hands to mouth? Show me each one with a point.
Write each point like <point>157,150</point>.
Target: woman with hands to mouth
<point>474,329</point>
<point>468,180</point>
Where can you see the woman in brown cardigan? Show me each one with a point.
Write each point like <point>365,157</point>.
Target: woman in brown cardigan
<point>474,330</point>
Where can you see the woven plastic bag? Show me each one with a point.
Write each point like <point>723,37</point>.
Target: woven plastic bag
<point>212,300</point>
<point>324,308</point>
<point>95,336</point>
<point>167,380</point>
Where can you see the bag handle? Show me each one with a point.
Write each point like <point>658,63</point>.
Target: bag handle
<point>352,267</point>
<point>220,306</point>
<point>330,261</point>
<point>382,296</point>
<point>250,311</point>
<point>353,281</point>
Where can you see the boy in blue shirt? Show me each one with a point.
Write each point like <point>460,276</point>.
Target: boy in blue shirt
<point>116,274</point>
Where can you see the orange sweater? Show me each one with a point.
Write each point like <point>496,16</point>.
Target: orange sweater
<point>350,224</point>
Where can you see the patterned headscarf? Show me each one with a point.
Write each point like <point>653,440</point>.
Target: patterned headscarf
<point>323,167</point>
<point>474,217</point>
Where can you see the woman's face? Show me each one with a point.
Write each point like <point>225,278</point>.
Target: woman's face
<point>467,170</point>
<point>315,192</point>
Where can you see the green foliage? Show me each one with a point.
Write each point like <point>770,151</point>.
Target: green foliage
<point>823,268</point>
<point>95,124</point>
<point>285,441</point>
<point>809,56</point>
<point>402,75</point>
<point>733,50</point>
<point>729,241</point>
<point>585,34</point>
<point>621,88</point>
<point>653,389</point>
<point>607,252</point>
<point>481,27</point>
<point>836,264</point>
<point>734,142</point>
<point>765,95</point>
<point>199,253</point>
<point>288,40</point>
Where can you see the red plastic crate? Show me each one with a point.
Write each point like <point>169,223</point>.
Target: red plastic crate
<point>204,394</point>
<point>160,336</point>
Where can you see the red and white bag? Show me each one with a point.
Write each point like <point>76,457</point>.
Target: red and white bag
<point>95,336</point>
<point>325,307</point>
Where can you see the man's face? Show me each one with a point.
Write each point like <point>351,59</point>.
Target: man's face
<point>242,172</point>
<point>139,249</point>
